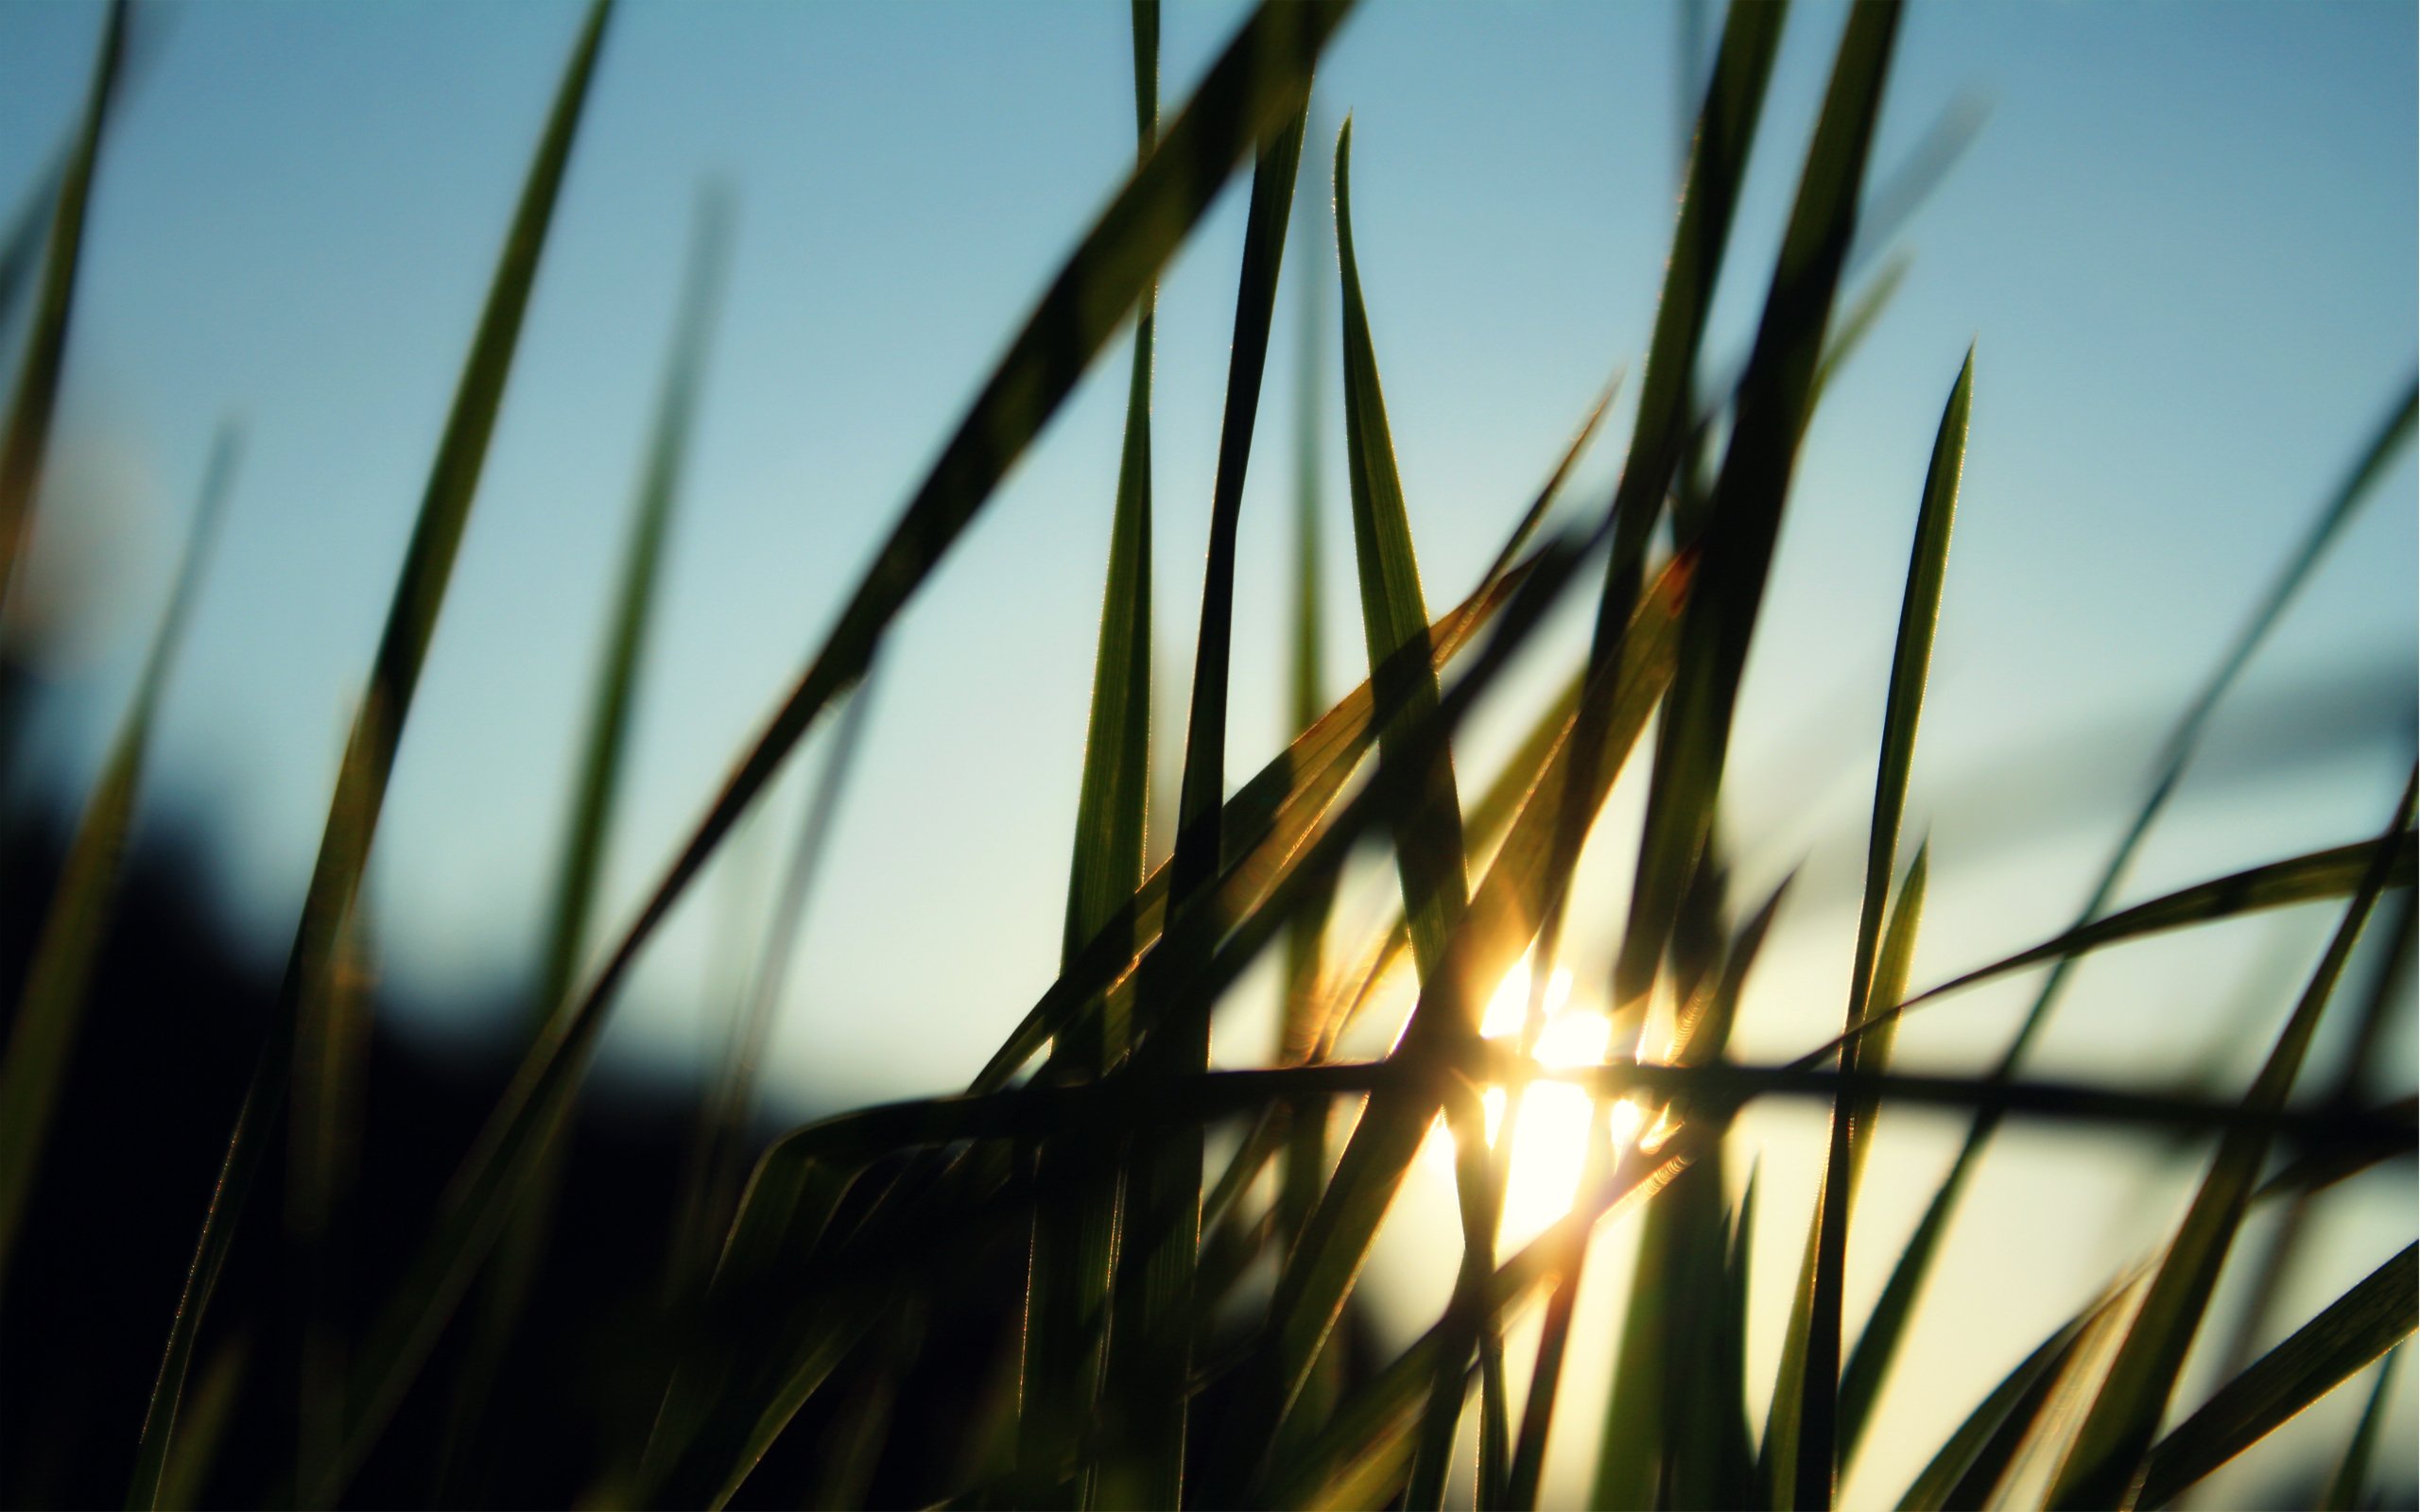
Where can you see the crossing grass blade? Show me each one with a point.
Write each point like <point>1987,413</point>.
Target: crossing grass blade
<point>1499,924</point>
<point>2106,1464</point>
<point>27,441</point>
<point>1260,76</point>
<point>1077,1224</point>
<point>599,786</point>
<point>2345,1335</point>
<point>2353,1470</point>
<point>2332,873</point>
<point>1870,1361</point>
<point>369,753</point>
<point>50,1006</point>
<point>1746,512</point>
<point>1813,1435</point>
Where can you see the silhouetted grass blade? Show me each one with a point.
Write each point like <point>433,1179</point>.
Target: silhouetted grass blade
<point>1077,1222</point>
<point>27,437</point>
<point>1262,75</point>
<point>2353,1471</point>
<point>58,975</point>
<point>2348,1334</point>
<point>1815,1432</point>
<point>2105,1466</point>
<point>1747,507</point>
<point>370,752</point>
<point>1870,1361</point>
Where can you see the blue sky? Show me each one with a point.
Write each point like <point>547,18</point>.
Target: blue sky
<point>2184,245</point>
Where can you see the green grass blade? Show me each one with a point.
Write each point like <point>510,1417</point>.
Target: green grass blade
<point>1815,1432</point>
<point>1799,1454</point>
<point>2105,1466</point>
<point>1503,915</point>
<point>2353,1470</point>
<point>1747,509</point>
<point>597,787</point>
<point>369,753</point>
<point>27,441</point>
<point>1077,1224</point>
<point>1428,843</point>
<point>1717,166</point>
<point>1677,1319</point>
<point>58,975</point>
<point>2345,1335</point>
<point>1871,1360</point>
<point>21,247</point>
<point>215,1398</point>
<point>1982,1446</point>
<point>2332,873</point>
<point>1149,1370</point>
<point>1261,76</point>
<point>1298,1030</point>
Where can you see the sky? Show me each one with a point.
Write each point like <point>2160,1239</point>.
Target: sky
<point>2183,248</point>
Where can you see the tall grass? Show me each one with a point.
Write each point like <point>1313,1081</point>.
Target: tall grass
<point>1182,1303</point>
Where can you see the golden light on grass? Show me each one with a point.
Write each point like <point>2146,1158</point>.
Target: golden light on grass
<point>1551,1120</point>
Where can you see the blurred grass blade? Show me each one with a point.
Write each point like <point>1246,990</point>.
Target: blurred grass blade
<point>215,1398</point>
<point>1077,1222</point>
<point>1745,516</point>
<point>1262,75</point>
<point>2353,1470</point>
<point>42,1038</point>
<point>2105,1466</point>
<point>2348,1334</point>
<point>1871,1360</point>
<point>27,441</point>
<point>595,794</point>
<point>1710,182</point>
<point>1815,1432</point>
<point>21,245</point>
<point>369,753</point>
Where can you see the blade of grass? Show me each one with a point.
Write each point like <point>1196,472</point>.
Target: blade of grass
<point>2348,1334</point>
<point>28,439</point>
<point>1980,1451</point>
<point>1717,165</point>
<point>2332,874</point>
<point>2353,1470</point>
<point>1795,1461</point>
<point>1815,1435</point>
<point>1164,1231</point>
<point>1498,926</point>
<point>50,1006</point>
<point>1077,1225</point>
<point>1260,76</point>
<point>361,781</point>
<point>595,794</point>
<point>1875,1347</point>
<point>1673,1313</point>
<point>2105,1466</point>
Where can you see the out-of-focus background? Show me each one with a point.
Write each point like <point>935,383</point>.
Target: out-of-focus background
<point>2183,241</point>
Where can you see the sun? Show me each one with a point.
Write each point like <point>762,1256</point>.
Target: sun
<point>1553,1123</point>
